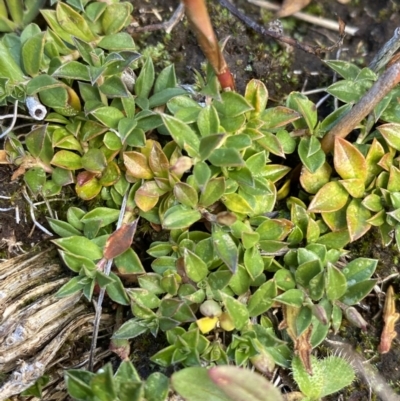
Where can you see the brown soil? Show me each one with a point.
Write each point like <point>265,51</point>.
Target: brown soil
<point>283,69</point>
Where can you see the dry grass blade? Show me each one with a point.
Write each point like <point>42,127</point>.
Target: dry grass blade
<point>290,7</point>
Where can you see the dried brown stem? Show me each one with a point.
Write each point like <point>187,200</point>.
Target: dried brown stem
<point>316,50</point>
<point>385,83</point>
<point>387,52</point>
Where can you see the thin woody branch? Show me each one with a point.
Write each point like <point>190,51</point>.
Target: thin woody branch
<point>316,50</point>
<point>385,83</point>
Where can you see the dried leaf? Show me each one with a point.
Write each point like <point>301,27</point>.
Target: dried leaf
<point>390,318</point>
<point>3,157</point>
<point>120,240</point>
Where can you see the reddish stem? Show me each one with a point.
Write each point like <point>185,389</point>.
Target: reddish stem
<point>197,14</point>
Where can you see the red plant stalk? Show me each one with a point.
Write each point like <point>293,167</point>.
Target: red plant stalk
<point>197,14</point>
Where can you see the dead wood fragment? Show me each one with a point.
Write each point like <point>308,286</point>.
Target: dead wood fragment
<point>35,324</point>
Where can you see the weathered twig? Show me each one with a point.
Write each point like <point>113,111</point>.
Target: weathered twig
<point>385,83</point>
<point>98,305</point>
<point>316,50</point>
<point>387,52</point>
<point>32,213</point>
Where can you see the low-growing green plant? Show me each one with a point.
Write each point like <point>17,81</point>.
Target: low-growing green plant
<point>329,376</point>
<point>125,385</point>
<point>235,234</point>
<point>15,15</point>
<point>223,383</point>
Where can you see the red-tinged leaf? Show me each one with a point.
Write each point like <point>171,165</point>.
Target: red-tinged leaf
<point>275,229</point>
<point>243,384</point>
<point>87,185</point>
<point>158,161</point>
<point>120,240</point>
<point>390,317</point>
<point>387,160</point>
<point>357,216</point>
<point>331,197</point>
<point>186,194</point>
<point>146,197</point>
<point>349,161</point>
<point>137,165</point>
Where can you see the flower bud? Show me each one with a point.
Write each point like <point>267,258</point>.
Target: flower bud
<point>264,363</point>
<point>355,318</point>
<point>182,164</point>
<point>210,308</point>
<point>226,218</point>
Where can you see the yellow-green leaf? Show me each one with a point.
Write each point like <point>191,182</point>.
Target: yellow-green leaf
<point>331,197</point>
<point>391,133</point>
<point>32,54</point>
<point>313,182</point>
<point>73,23</point>
<point>357,216</point>
<point>354,186</point>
